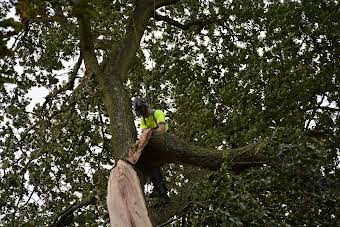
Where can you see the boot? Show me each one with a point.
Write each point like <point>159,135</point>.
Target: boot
<point>159,189</point>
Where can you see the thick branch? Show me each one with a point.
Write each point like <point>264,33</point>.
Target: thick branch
<point>60,218</point>
<point>124,54</point>
<point>331,109</point>
<point>179,201</point>
<point>166,148</point>
<point>161,3</point>
<point>115,97</point>
<point>86,40</point>
<point>199,23</point>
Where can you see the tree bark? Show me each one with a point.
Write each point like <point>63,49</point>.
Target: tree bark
<point>115,96</point>
<point>167,148</point>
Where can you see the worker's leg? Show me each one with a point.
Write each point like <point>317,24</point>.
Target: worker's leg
<point>158,183</point>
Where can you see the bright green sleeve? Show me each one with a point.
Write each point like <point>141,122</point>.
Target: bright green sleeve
<point>160,116</point>
<point>142,124</point>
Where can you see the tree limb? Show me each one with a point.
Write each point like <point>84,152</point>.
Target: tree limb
<point>314,111</point>
<point>122,55</point>
<point>59,218</point>
<point>86,39</point>
<point>331,109</point>
<point>180,201</point>
<point>174,219</point>
<point>68,86</point>
<point>161,3</point>
<point>166,148</point>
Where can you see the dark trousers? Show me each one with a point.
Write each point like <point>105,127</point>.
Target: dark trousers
<point>158,180</point>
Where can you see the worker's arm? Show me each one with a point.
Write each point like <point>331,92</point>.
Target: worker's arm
<point>136,151</point>
<point>161,128</point>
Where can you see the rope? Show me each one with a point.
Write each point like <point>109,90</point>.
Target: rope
<point>151,74</point>
<point>149,77</point>
<point>145,78</point>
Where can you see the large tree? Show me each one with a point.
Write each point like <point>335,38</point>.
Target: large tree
<point>251,88</point>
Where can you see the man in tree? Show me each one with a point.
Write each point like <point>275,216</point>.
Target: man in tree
<point>151,121</point>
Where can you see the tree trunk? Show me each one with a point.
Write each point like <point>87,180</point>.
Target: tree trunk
<point>125,197</point>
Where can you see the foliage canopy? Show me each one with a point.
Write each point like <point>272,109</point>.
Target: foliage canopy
<point>228,73</point>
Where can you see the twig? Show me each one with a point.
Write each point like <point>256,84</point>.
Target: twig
<point>331,109</point>
<point>314,111</point>
<point>20,197</point>
<point>200,23</point>
<point>29,198</point>
<point>188,25</point>
<point>69,85</point>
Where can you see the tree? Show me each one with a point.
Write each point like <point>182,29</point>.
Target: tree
<point>254,81</point>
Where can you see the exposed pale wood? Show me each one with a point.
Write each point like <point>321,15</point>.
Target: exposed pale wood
<point>136,151</point>
<point>125,200</point>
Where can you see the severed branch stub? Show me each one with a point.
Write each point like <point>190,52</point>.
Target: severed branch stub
<point>125,199</point>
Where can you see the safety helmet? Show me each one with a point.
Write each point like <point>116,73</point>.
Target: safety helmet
<point>141,106</point>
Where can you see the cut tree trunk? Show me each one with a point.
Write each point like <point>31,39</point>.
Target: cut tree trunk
<point>125,200</point>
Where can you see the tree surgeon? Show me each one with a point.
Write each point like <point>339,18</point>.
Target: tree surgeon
<point>151,121</point>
